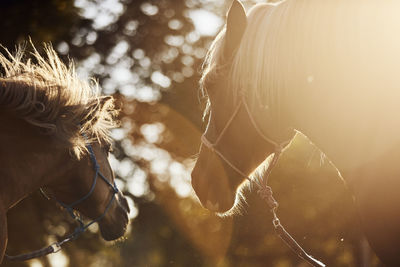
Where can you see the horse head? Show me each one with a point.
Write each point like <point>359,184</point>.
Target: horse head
<point>57,139</point>
<point>87,185</point>
<point>232,146</point>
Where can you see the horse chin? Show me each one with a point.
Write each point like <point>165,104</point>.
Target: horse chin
<point>221,205</point>
<point>111,233</point>
<point>114,225</point>
<point>214,198</point>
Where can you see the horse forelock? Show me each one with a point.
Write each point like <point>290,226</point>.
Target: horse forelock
<point>48,94</point>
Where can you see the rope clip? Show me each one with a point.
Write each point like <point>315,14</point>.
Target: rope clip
<point>275,221</point>
<point>56,247</point>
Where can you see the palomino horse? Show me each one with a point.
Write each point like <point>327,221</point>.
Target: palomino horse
<point>55,135</point>
<point>327,69</point>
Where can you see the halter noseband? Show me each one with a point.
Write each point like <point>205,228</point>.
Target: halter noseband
<point>69,207</point>
<point>56,246</point>
<point>264,191</point>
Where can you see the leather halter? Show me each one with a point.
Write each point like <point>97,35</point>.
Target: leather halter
<point>264,191</point>
<point>213,145</point>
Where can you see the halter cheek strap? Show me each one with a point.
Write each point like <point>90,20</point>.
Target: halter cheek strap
<point>70,207</point>
<point>213,145</point>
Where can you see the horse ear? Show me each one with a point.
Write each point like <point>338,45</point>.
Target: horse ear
<point>236,23</point>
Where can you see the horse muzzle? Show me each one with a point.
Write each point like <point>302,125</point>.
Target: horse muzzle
<point>114,224</point>
<point>214,193</point>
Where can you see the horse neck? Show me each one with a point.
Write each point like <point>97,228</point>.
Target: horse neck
<point>351,131</point>
<point>274,123</point>
<point>24,154</point>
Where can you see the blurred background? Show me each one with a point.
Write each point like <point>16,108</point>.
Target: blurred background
<point>148,55</point>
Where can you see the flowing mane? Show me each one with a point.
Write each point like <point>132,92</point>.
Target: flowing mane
<point>48,94</point>
<point>293,46</point>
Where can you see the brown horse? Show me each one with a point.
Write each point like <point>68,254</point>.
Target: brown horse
<point>55,135</point>
<point>327,69</point>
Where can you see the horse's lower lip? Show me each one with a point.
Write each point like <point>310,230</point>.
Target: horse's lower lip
<point>114,227</point>
<point>110,233</point>
<point>221,204</point>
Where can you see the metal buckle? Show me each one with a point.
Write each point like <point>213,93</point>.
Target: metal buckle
<point>56,247</point>
<point>275,221</point>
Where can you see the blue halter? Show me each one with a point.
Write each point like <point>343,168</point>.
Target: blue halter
<point>56,246</point>
<point>69,207</point>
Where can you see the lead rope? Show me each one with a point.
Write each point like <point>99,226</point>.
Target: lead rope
<point>265,192</point>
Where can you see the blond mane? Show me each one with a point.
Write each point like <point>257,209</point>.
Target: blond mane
<point>297,46</point>
<point>48,94</point>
